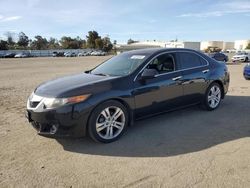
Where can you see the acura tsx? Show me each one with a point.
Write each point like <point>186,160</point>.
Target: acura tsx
<point>104,101</point>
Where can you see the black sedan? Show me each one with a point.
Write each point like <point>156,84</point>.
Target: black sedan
<point>105,100</point>
<point>9,55</point>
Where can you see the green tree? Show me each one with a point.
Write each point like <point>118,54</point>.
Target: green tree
<point>80,42</point>
<point>39,43</point>
<point>248,46</point>
<point>107,45</point>
<point>84,44</point>
<point>23,40</point>
<point>91,37</point>
<point>3,45</point>
<point>99,43</point>
<point>65,42</point>
<point>70,43</point>
<point>53,43</point>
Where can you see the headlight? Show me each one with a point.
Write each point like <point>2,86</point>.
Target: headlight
<point>57,102</point>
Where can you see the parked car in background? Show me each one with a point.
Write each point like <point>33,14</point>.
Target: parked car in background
<point>94,53</point>
<point>80,54</point>
<point>246,72</point>
<point>241,56</point>
<point>9,55</point>
<point>58,54</point>
<point>103,101</point>
<point>231,51</point>
<point>54,54</point>
<point>218,56</point>
<point>98,53</point>
<point>83,54</point>
<point>70,54</point>
<point>103,53</point>
<point>21,55</point>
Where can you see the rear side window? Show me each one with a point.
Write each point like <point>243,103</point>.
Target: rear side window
<point>191,60</point>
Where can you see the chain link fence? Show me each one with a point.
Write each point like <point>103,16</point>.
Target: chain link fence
<point>43,53</point>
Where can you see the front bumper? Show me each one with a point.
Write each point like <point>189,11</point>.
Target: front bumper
<point>70,120</point>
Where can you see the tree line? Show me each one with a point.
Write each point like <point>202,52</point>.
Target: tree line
<point>93,40</point>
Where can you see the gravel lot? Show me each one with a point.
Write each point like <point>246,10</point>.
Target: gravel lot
<point>187,148</point>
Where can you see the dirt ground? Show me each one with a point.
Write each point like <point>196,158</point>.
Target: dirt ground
<point>187,148</point>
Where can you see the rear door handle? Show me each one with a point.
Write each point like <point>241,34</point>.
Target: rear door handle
<point>177,78</point>
<point>205,71</point>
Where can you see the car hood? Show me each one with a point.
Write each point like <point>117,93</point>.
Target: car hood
<point>63,87</point>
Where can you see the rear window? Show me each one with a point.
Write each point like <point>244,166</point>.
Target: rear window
<point>191,60</point>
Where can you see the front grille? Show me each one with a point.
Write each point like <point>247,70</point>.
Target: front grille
<point>33,104</point>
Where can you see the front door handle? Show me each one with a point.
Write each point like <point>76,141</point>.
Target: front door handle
<point>205,71</point>
<point>177,78</point>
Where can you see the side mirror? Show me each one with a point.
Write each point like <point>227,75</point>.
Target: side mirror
<point>148,74</point>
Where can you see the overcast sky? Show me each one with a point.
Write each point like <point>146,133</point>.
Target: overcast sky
<point>189,20</point>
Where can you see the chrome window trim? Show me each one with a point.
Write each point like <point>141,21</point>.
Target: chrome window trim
<point>173,51</point>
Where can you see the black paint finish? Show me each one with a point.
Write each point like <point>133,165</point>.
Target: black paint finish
<point>142,97</point>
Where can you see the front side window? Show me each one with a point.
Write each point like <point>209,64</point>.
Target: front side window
<point>163,63</point>
<point>191,60</point>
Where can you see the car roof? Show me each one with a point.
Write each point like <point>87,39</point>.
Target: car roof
<point>151,51</point>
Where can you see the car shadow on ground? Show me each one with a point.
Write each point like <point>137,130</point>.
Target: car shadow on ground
<point>180,132</point>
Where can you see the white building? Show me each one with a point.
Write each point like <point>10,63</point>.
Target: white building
<point>219,44</point>
<point>237,45</point>
<point>228,46</point>
<point>160,44</point>
<point>192,45</point>
<point>241,44</point>
<point>206,44</point>
<point>174,44</point>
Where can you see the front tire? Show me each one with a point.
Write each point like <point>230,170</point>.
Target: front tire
<point>246,60</point>
<point>108,122</point>
<point>212,97</point>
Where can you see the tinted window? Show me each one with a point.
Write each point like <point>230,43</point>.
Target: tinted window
<point>190,60</point>
<point>163,63</point>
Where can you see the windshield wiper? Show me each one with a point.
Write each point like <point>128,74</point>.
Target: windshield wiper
<point>101,74</point>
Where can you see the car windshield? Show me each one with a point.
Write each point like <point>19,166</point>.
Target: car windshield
<point>120,65</point>
<point>241,53</point>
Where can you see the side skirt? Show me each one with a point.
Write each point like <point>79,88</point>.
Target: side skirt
<point>163,112</point>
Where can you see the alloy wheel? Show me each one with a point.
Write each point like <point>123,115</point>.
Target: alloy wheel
<point>110,122</point>
<point>214,96</point>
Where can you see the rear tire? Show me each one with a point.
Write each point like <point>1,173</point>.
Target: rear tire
<point>212,97</point>
<point>108,121</point>
<point>246,60</point>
